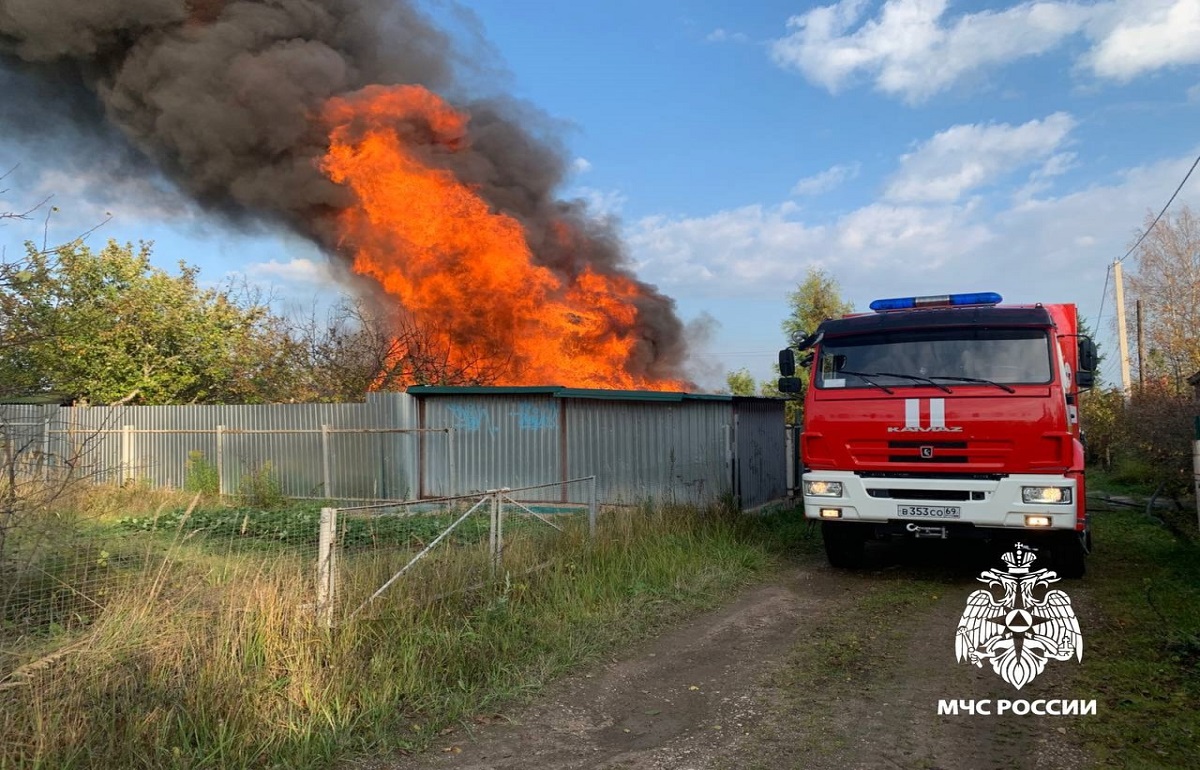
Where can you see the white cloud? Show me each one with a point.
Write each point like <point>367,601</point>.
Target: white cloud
<point>966,157</point>
<point>1029,248</point>
<point>601,203</point>
<point>581,165</point>
<point>827,180</point>
<point>909,50</point>
<point>913,49</point>
<point>1161,33</point>
<point>80,200</point>
<point>295,271</point>
<point>759,251</point>
<point>721,35</point>
<point>729,252</point>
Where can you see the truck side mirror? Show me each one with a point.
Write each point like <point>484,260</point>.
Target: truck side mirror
<point>1085,380</point>
<point>787,364</point>
<point>790,385</point>
<point>1087,355</point>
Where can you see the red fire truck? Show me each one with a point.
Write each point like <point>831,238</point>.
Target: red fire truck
<point>951,416</point>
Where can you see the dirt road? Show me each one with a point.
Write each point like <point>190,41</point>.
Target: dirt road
<point>819,668</point>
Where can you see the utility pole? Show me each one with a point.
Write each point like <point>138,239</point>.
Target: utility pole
<point>1122,332</point>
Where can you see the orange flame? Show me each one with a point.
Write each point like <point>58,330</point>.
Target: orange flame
<point>464,272</point>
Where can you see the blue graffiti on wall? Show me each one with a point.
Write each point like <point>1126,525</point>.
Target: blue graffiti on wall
<point>475,418</point>
<point>537,417</point>
<point>468,417</point>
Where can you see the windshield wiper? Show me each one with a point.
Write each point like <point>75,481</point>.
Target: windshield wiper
<point>865,377</point>
<point>917,378</point>
<point>1000,385</point>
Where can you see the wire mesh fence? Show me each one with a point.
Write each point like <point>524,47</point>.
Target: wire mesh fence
<point>91,548</point>
<point>87,550</point>
<point>374,559</point>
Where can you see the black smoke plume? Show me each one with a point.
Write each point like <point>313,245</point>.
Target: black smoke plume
<point>220,96</point>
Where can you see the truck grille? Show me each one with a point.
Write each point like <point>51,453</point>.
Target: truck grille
<point>927,494</point>
<point>927,451</point>
<point>967,455</point>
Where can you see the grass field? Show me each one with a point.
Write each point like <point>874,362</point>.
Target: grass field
<point>198,653</point>
<point>192,652</point>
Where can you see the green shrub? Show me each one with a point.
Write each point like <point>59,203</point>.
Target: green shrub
<point>260,488</point>
<point>201,475</point>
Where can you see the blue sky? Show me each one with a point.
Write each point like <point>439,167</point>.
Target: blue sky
<point>904,146</point>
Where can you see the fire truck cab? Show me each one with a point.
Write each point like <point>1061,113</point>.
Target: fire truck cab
<point>951,416</point>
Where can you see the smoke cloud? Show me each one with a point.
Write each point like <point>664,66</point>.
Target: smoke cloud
<point>221,96</point>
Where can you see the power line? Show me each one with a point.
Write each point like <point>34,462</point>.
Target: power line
<point>1164,209</point>
<point>1103,297</point>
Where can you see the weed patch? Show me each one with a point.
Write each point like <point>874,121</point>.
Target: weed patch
<point>214,661</point>
<point>1142,657</point>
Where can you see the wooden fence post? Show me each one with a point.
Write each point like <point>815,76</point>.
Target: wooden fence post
<point>326,567</point>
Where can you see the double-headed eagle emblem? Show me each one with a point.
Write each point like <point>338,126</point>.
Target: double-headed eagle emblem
<point>1018,623</point>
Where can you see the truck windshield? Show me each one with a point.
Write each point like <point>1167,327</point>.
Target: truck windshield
<point>936,357</point>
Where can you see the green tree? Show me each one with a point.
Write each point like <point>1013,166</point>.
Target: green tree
<point>111,327</point>
<point>816,298</point>
<point>741,383</point>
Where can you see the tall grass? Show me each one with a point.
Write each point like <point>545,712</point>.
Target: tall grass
<point>1142,659</point>
<point>217,661</point>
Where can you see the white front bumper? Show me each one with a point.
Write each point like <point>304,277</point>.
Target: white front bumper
<point>987,503</point>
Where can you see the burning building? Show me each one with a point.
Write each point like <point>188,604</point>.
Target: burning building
<point>346,121</point>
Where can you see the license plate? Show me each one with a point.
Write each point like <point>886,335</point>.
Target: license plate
<point>930,511</point>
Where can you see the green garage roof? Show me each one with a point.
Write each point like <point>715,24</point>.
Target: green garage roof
<point>558,391</point>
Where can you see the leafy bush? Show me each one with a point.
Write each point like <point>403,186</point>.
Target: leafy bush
<point>1158,432</point>
<point>1101,414</point>
<point>260,488</point>
<point>201,474</point>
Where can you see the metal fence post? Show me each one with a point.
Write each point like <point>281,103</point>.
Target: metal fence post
<point>326,567</point>
<point>494,532</point>
<point>500,528</point>
<point>592,509</point>
<point>327,475</point>
<point>220,460</point>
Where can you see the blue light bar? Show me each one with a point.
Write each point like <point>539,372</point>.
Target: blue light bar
<point>939,300</point>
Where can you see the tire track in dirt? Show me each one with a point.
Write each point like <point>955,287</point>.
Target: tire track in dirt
<point>675,701</point>
<point>720,692</point>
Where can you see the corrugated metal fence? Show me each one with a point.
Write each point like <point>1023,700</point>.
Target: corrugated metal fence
<point>428,442</point>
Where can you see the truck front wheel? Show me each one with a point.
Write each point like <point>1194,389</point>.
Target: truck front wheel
<point>1068,553</point>
<point>844,544</point>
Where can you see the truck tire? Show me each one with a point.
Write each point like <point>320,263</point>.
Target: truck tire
<point>844,544</point>
<point>1069,556</point>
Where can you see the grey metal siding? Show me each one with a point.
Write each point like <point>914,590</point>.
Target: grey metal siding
<point>650,451</point>
<point>154,443</point>
<point>496,441</point>
<point>639,450</point>
<point>761,451</point>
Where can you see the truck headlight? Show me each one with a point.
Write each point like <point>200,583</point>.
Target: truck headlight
<point>823,488</point>
<point>1046,495</point>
